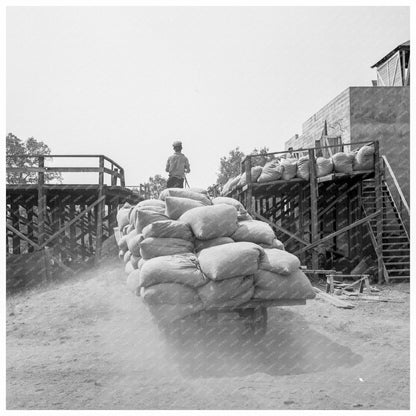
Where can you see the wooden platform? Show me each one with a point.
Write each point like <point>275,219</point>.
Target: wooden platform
<point>71,221</point>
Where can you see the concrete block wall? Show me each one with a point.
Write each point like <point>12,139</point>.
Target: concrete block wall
<point>361,114</point>
<point>383,114</point>
<point>337,115</point>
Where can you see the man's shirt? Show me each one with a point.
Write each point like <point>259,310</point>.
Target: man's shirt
<point>177,165</point>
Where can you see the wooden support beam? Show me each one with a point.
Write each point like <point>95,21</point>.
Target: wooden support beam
<point>72,230</point>
<point>314,205</point>
<point>100,214</point>
<point>249,191</point>
<point>336,233</point>
<point>68,224</point>
<point>379,209</point>
<point>14,213</point>
<point>278,228</point>
<point>41,202</point>
<point>22,236</point>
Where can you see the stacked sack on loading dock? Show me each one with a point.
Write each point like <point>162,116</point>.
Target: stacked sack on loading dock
<point>290,168</point>
<point>185,252</point>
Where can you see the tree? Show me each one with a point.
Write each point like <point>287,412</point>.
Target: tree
<point>155,185</point>
<point>17,153</point>
<point>230,166</point>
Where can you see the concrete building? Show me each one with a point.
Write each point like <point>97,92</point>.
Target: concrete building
<point>379,112</point>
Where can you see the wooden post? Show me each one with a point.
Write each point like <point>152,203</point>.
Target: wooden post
<point>301,218</point>
<point>122,179</point>
<point>30,226</point>
<point>249,192</point>
<point>72,231</point>
<point>313,183</point>
<point>14,211</point>
<point>379,208</point>
<point>100,213</point>
<point>41,202</point>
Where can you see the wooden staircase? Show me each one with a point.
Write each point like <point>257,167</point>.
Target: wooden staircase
<point>395,238</point>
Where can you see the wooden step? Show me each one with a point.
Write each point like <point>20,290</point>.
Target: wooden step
<point>398,277</point>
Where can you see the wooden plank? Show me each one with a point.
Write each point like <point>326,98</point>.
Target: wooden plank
<point>334,234</point>
<point>72,230</point>
<point>22,236</point>
<point>41,202</point>
<point>14,213</point>
<point>249,191</point>
<point>30,229</point>
<point>100,214</point>
<point>277,227</point>
<point>314,205</point>
<point>332,300</point>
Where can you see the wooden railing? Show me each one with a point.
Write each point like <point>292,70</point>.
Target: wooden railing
<point>115,171</point>
<point>399,201</point>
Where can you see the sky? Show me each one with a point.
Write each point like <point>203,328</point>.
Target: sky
<point>128,81</point>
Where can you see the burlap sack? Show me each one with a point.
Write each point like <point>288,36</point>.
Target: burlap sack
<point>226,187</point>
<point>302,171</point>
<point>122,243</point>
<point>255,173</point>
<point>134,260</point>
<point>275,244</point>
<point>269,285</point>
<point>234,183</point>
<point>279,261</point>
<point>202,244</point>
<point>272,171</point>
<point>134,244</point>
<point>123,215</point>
<point>184,193</point>
<point>127,229</point>
<point>211,221</point>
<point>133,281</point>
<point>230,260</point>
<point>126,257</point>
<point>364,158</point>
<point>324,166</point>
<point>242,213</point>
<point>289,168</point>
<point>342,162</point>
<point>170,293</point>
<point>168,229</point>
<point>156,247</point>
<point>148,217</point>
<point>128,268</point>
<point>152,203</point>
<point>254,231</point>
<point>227,293</point>
<point>150,208</point>
<point>175,206</point>
<point>182,269</point>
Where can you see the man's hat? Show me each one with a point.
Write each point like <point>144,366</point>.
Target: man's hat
<point>177,143</point>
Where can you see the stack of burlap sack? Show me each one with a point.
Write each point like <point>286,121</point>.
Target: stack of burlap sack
<point>185,252</point>
<point>289,168</point>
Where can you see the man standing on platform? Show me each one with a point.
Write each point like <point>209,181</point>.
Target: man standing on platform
<point>177,165</point>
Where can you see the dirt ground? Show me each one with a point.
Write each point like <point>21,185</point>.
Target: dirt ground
<point>89,343</point>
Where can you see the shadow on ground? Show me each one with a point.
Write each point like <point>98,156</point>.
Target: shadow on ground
<point>289,347</point>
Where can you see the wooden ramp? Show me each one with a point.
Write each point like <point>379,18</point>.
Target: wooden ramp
<point>328,219</point>
<point>69,221</point>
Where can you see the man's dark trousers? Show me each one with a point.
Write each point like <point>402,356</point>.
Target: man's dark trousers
<point>175,182</point>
